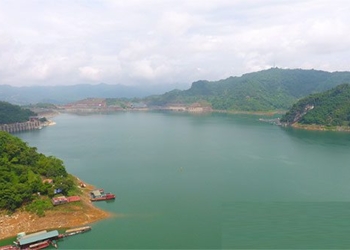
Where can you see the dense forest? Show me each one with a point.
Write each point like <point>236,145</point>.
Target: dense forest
<point>267,90</point>
<point>23,171</point>
<point>10,113</point>
<point>329,108</point>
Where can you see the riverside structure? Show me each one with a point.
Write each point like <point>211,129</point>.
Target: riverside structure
<point>32,124</point>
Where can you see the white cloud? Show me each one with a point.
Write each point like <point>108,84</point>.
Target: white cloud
<point>90,73</point>
<point>162,42</point>
<point>177,23</point>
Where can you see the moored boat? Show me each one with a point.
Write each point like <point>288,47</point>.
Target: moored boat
<point>100,195</point>
<point>9,247</point>
<point>38,240</point>
<point>77,230</point>
<point>39,245</point>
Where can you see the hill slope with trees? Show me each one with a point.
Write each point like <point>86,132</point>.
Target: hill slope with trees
<point>22,171</point>
<point>13,113</point>
<point>329,108</point>
<point>267,90</point>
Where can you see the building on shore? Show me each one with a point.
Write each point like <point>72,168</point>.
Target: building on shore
<point>63,200</point>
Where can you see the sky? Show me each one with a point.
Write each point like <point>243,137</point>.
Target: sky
<point>160,42</point>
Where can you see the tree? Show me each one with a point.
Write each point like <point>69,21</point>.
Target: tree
<point>22,170</point>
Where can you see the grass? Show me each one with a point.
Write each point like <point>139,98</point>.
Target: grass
<point>39,206</point>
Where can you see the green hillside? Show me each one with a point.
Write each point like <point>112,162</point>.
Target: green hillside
<point>267,90</point>
<point>13,113</point>
<point>330,108</point>
<point>22,171</point>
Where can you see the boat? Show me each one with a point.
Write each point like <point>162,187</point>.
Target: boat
<point>39,245</point>
<point>107,196</point>
<point>9,247</point>
<point>78,230</point>
<point>100,195</point>
<point>38,240</point>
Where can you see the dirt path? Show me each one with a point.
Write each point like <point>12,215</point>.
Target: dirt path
<point>63,216</point>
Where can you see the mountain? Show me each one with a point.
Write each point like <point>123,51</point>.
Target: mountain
<point>267,90</point>
<point>329,108</point>
<point>67,94</point>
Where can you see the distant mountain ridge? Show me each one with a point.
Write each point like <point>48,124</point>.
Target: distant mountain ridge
<point>67,94</point>
<point>267,90</point>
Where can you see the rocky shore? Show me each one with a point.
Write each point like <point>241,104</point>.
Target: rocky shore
<point>321,127</point>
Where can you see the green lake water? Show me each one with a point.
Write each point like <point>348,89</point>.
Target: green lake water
<point>205,181</point>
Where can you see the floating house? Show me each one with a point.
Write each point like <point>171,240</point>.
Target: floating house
<point>59,200</point>
<point>100,195</point>
<point>32,240</point>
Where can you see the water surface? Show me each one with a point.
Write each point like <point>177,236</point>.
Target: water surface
<point>205,181</point>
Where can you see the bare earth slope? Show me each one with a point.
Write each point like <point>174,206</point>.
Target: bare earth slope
<point>63,216</point>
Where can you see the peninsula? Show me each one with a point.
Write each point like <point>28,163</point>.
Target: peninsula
<point>28,182</point>
<point>60,217</point>
<point>329,110</point>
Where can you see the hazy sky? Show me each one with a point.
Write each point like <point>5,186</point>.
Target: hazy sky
<point>132,42</point>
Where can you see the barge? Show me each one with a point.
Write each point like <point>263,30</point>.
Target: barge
<point>42,239</point>
<point>100,195</point>
<point>38,240</point>
<point>39,245</point>
<point>78,230</point>
<point>9,247</point>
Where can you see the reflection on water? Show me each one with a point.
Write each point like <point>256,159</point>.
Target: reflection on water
<point>319,137</point>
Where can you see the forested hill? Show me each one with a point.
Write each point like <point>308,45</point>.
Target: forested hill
<point>22,174</point>
<point>330,108</point>
<point>272,89</point>
<point>13,113</point>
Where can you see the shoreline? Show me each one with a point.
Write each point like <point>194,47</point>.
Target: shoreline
<point>315,127</point>
<point>64,216</point>
<point>266,113</point>
<point>236,112</point>
<point>89,111</point>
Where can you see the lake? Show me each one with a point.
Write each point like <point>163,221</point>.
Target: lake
<point>186,181</point>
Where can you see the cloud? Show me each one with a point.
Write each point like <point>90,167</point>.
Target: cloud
<point>90,73</point>
<point>163,42</point>
<point>177,23</point>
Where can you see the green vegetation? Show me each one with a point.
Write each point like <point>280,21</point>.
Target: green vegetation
<point>22,174</point>
<point>330,108</point>
<point>13,113</point>
<point>267,90</point>
<point>41,105</point>
<point>117,102</point>
<point>39,205</point>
